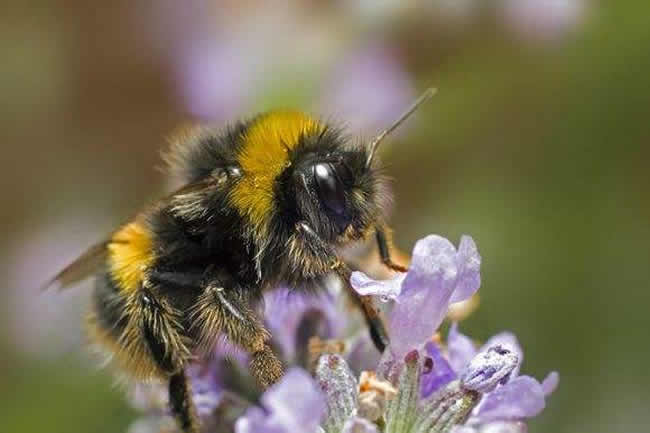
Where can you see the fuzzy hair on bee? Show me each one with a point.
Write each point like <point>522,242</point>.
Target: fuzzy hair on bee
<point>266,201</point>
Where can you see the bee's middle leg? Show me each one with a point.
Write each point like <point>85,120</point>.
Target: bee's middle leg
<point>227,311</point>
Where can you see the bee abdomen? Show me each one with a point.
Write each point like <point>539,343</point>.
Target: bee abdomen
<point>108,306</point>
<point>130,254</point>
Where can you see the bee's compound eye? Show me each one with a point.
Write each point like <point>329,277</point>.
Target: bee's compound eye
<point>330,188</point>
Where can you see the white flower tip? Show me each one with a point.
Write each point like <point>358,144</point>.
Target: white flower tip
<point>467,244</point>
<point>386,289</point>
<point>490,368</point>
<point>359,280</point>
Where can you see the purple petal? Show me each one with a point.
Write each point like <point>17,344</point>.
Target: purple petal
<point>550,383</point>
<point>426,292</point>
<point>256,421</point>
<point>522,397</point>
<point>225,349</point>
<point>433,262</point>
<point>461,349</point>
<point>293,404</point>
<point>439,375</point>
<point>469,267</point>
<point>386,289</point>
<point>509,341</point>
<point>207,387</point>
<point>363,356</point>
<point>296,401</point>
<point>206,384</point>
<point>359,425</point>
<point>489,368</point>
<point>285,311</point>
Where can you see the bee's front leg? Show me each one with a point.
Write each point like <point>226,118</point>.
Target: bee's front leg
<point>372,315</point>
<point>384,244</point>
<point>328,259</point>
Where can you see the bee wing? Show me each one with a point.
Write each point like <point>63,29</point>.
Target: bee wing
<point>83,267</point>
<point>95,257</point>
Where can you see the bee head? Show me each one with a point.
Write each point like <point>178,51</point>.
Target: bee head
<point>331,187</point>
<point>337,186</point>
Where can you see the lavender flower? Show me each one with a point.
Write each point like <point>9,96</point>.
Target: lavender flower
<point>418,386</point>
<point>292,405</point>
<point>482,398</point>
<point>438,276</point>
<point>489,369</point>
<point>339,385</point>
<point>404,412</point>
<point>509,398</point>
<point>294,317</point>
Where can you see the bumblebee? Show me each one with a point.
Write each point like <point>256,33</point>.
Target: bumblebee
<point>268,201</point>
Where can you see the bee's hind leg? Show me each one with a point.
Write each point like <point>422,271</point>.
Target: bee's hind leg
<point>181,404</point>
<point>156,324</point>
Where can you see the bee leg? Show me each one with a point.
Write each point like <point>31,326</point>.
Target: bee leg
<point>265,366</point>
<point>384,251</point>
<point>373,318</point>
<point>375,323</point>
<point>160,327</point>
<point>181,404</point>
<point>227,312</point>
<point>246,330</point>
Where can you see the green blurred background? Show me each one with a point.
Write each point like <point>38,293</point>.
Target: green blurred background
<point>536,145</point>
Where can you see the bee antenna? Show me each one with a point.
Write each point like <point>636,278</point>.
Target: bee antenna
<point>378,139</point>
